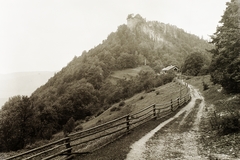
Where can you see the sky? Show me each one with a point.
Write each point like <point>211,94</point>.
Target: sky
<point>45,35</point>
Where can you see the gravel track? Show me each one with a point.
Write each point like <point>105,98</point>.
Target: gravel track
<point>175,138</point>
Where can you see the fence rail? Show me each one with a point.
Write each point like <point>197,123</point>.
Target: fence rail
<point>88,140</point>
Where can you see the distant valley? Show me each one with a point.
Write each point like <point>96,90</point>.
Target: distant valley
<point>21,83</point>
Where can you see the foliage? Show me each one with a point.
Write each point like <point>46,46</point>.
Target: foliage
<point>227,123</point>
<point>193,64</point>
<point>226,118</point>
<point>16,123</point>
<point>115,109</point>
<point>205,86</point>
<point>122,103</point>
<point>225,64</point>
<point>69,126</point>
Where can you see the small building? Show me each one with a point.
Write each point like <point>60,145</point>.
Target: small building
<point>170,69</point>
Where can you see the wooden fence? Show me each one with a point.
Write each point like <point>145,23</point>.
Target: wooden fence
<point>88,140</point>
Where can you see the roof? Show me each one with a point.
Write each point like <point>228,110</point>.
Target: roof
<point>169,68</point>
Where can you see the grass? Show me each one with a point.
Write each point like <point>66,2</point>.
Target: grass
<point>138,102</point>
<point>126,73</point>
<point>119,149</point>
<point>132,105</point>
<point>220,112</point>
<point>211,144</point>
<point>188,122</point>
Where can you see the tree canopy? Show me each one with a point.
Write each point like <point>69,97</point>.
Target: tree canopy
<point>195,64</point>
<point>225,65</point>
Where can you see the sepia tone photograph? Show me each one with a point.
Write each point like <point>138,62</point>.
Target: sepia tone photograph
<point>120,80</point>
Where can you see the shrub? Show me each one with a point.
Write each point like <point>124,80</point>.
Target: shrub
<point>99,121</point>
<point>99,113</point>
<point>205,85</point>
<point>69,126</point>
<point>141,98</point>
<point>157,92</point>
<point>122,103</point>
<point>115,109</point>
<point>36,144</point>
<point>150,90</point>
<point>188,77</point>
<point>79,128</point>
<point>78,122</point>
<point>227,123</point>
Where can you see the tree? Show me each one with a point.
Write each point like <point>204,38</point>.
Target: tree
<point>225,65</point>
<point>146,78</point>
<point>69,126</point>
<point>193,64</point>
<point>126,60</point>
<point>16,123</point>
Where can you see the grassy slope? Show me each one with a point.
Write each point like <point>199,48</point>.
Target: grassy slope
<point>132,105</point>
<point>126,73</point>
<point>135,103</point>
<point>217,146</point>
<point>213,146</point>
<point>119,149</point>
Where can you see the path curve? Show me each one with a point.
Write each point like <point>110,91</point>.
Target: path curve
<point>140,149</point>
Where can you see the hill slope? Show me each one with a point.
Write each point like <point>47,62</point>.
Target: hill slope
<point>140,41</point>
<point>84,87</point>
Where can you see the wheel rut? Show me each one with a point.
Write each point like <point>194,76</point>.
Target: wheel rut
<point>175,138</point>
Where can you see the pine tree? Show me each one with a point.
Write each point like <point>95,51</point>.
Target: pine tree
<point>225,65</point>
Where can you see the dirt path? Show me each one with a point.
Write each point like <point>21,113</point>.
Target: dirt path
<point>175,138</point>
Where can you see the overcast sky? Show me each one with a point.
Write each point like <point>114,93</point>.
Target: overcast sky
<point>44,35</point>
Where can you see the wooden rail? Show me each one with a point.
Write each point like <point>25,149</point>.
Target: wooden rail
<point>88,140</point>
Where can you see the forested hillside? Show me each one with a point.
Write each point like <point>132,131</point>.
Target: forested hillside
<point>82,88</point>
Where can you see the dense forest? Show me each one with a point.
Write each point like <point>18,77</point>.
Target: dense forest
<point>82,89</point>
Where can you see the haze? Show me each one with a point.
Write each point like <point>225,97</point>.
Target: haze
<point>45,35</point>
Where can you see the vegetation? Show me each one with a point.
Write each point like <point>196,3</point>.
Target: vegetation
<point>219,125</point>
<point>225,63</point>
<point>84,88</point>
<point>196,64</point>
<point>225,67</point>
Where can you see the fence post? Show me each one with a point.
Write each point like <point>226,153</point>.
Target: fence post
<point>171,105</point>
<point>67,141</point>
<point>128,123</point>
<point>154,111</point>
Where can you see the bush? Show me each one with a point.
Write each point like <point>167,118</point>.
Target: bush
<point>99,113</point>
<point>157,92</point>
<point>115,109</point>
<point>79,128</point>
<point>69,126</point>
<point>99,121</point>
<point>122,103</point>
<point>78,122</point>
<point>166,78</point>
<point>36,144</point>
<point>141,98</point>
<point>227,123</point>
<point>205,86</point>
<point>150,90</point>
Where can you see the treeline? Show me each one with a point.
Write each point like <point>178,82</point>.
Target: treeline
<point>25,120</point>
<point>225,66</point>
<point>82,89</point>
